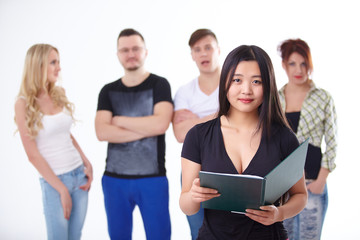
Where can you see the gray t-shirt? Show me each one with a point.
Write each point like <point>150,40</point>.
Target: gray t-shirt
<point>144,157</point>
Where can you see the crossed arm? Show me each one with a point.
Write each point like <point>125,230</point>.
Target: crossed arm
<point>121,129</point>
<point>183,120</point>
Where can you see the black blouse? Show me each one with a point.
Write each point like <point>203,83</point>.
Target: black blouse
<point>204,144</point>
<point>314,154</point>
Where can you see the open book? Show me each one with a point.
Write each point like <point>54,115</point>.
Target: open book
<point>240,192</point>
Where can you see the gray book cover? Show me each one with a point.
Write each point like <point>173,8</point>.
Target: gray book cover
<point>239,192</point>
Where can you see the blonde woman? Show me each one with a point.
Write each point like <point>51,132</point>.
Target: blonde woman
<point>44,117</point>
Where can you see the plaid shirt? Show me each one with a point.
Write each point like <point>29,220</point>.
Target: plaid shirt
<point>317,120</point>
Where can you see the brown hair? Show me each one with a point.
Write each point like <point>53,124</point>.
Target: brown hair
<point>129,32</point>
<point>289,46</point>
<point>199,34</point>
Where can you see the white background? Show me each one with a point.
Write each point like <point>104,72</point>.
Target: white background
<point>85,33</point>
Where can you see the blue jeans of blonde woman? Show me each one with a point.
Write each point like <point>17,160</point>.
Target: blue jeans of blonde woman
<point>307,225</point>
<point>59,228</point>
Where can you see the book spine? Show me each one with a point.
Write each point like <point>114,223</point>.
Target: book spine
<point>262,203</point>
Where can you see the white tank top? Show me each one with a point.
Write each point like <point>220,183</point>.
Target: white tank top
<point>55,144</point>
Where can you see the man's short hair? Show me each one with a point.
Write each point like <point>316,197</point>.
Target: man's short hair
<point>129,32</point>
<point>199,34</point>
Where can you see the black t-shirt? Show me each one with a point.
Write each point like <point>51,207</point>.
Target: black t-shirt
<point>204,144</point>
<point>144,157</point>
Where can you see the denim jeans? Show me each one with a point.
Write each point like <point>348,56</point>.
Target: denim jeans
<point>150,194</point>
<point>195,222</point>
<point>307,225</point>
<point>59,228</point>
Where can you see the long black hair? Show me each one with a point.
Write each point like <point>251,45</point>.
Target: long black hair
<point>270,110</point>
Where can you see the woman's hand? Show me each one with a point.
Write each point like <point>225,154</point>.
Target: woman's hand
<point>316,187</point>
<point>66,203</point>
<point>201,194</point>
<point>267,215</point>
<point>89,174</point>
<point>88,168</point>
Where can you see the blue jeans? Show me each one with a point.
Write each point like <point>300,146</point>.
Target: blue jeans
<point>151,194</point>
<point>57,226</point>
<point>195,222</point>
<point>307,225</point>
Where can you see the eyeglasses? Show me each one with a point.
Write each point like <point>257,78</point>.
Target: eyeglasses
<point>135,50</point>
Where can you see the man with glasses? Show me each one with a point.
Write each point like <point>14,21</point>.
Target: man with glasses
<point>197,101</point>
<point>133,114</point>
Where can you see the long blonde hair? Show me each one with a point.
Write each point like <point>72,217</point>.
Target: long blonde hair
<point>34,81</point>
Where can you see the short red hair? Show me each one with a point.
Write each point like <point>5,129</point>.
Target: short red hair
<point>289,46</point>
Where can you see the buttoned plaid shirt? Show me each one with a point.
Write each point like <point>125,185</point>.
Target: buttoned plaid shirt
<point>317,121</point>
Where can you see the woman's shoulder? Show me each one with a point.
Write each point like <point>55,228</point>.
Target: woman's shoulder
<point>321,93</point>
<point>208,124</point>
<point>284,139</point>
<point>282,132</point>
<point>20,103</point>
<point>20,98</point>
<point>205,128</point>
<point>201,135</point>
<point>20,110</point>
<point>60,89</point>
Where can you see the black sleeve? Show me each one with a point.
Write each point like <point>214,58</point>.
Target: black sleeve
<point>162,91</point>
<point>191,146</point>
<point>104,102</point>
<point>289,142</point>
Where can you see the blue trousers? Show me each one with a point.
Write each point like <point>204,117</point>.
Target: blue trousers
<point>307,225</point>
<point>150,194</point>
<point>195,222</point>
<point>59,228</point>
